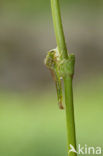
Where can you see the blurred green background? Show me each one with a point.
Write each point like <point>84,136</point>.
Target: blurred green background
<point>31,123</point>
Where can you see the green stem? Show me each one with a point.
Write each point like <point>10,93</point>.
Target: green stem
<point>70,114</point>
<point>58,29</point>
<point>68,78</point>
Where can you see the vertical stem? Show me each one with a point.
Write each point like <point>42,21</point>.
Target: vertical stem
<point>58,29</point>
<point>70,114</point>
<point>68,79</point>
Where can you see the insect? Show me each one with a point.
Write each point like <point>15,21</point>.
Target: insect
<point>52,60</point>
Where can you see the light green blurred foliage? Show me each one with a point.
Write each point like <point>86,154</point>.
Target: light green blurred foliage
<point>32,125</point>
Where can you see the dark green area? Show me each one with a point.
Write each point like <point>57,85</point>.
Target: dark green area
<point>33,7</point>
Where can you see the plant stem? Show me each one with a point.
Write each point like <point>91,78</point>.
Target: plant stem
<point>67,79</point>
<point>58,29</point>
<point>70,114</point>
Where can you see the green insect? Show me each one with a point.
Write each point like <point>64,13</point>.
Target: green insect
<point>52,60</point>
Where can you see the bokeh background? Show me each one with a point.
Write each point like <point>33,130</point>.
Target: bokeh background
<point>31,123</point>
